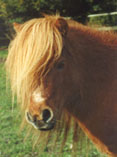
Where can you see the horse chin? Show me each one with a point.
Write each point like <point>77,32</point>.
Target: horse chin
<point>41,126</point>
<point>48,128</point>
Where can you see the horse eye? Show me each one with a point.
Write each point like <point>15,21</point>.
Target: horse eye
<point>60,65</point>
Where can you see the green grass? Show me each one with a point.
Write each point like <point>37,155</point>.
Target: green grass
<point>11,142</point>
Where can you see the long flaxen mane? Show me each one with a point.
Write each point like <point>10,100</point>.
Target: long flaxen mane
<point>36,47</point>
<point>38,42</point>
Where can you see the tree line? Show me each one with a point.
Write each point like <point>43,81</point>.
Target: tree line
<point>22,10</point>
<point>77,9</point>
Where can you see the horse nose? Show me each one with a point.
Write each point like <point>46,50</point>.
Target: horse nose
<point>46,122</point>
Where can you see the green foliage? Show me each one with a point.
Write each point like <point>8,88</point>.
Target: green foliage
<point>103,6</point>
<point>22,10</point>
<point>26,9</point>
<point>77,9</point>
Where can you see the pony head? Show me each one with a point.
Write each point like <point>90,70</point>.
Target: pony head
<point>39,65</point>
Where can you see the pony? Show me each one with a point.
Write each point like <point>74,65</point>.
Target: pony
<point>62,71</point>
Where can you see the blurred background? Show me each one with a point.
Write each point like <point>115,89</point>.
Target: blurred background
<point>91,12</point>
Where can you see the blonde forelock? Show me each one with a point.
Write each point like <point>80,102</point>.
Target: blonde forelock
<point>30,53</point>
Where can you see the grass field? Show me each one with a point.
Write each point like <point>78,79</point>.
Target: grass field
<point>11,141</point>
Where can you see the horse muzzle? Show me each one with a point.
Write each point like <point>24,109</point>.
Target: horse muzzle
<point>45,124</point>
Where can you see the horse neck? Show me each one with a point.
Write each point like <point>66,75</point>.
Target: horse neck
<point>96,62</point>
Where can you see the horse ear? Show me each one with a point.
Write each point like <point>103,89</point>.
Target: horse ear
<point>17,27</point>
<point>62,26</point>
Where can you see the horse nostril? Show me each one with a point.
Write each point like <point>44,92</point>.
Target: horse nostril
<point>46,115</point>
<point>29,117</point>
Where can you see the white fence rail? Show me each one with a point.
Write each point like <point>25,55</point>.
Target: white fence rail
<point>103,14</point>
<point>114,28</point>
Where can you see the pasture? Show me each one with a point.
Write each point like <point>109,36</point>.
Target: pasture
<point>12,142</point>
